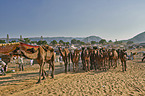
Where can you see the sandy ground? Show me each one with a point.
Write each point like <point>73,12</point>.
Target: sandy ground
<point>94,83</point>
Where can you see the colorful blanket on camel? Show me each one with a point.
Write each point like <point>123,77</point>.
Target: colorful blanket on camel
<point>9,47</point>
<point>27,47</point>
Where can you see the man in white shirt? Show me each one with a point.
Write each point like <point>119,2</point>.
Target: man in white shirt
<point>20,61</point>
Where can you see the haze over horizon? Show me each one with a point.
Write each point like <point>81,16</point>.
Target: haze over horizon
<point>108,19</point>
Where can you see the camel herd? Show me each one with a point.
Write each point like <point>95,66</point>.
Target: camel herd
<point>91,58</point>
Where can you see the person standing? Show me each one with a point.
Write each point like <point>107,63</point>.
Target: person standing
<point>3,69</point>
<point>31,61</point>
<point>21,62</point>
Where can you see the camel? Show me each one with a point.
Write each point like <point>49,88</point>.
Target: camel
<point>75,57</point>
<point>113,57</point>
<point>66,56</point>
<point>86,58</point>
<point>44,54</point>
<point>92,59</point>
<point>123,58</point>
<point>99,58</point>
<point>105,58</point>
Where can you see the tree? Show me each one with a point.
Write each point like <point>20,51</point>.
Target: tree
<point>12,41</point>
<point>61,42</point>
<point>20,40</point>
<point>2,41</point>
<point>110,41</point>
<point>73,41</point>
<point>27,40</point>
<point>118,42</point>
<point>102,41</point>
<point>33,42</point>
<point>67,43</point>
<point>53,42</point>
<point>78,41</point>
<point>42,42</point>
<point>82,43</point>
<point>93,42</point>
<point>129,42</point>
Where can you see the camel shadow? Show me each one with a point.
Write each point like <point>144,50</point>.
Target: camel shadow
<point>140,62</point>
<point>2,82</point>
<point>12,78</point>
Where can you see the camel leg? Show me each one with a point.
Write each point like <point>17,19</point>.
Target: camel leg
<point>40,72</point>
<point>109,64</point>
<point>65,67</point>
<point>116,63</point>
<point>98,65</point>
<point>143,59</point>
<point>22,67</point>
<point>73,67</point>
<point>122,66</point>
<point>84,66</point>
<point>125,65</point>
<point>95,65</point>
<point>5,68</point>
<point>76,67</point>
<point>43,73</point>
<point>88,65</point>
<point>105,64</point>
<point>91,62</point>
<point>53,67</point>
<point>69,66</point>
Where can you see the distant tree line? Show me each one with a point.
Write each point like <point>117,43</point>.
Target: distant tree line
<point>61,42</point>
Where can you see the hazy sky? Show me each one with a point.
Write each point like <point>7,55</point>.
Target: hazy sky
<point>108,19</point>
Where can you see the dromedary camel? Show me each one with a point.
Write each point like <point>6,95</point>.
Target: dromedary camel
<point>113,57</point>
<point>75,57</point>
<point>123,58</point>
<point>87,59</point>
<point>44,54</point>
<point>65,53</point>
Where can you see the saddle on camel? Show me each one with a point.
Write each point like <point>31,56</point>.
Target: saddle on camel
<point>75,57</point>
<point>66,56</point>
<point>43,54</point>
